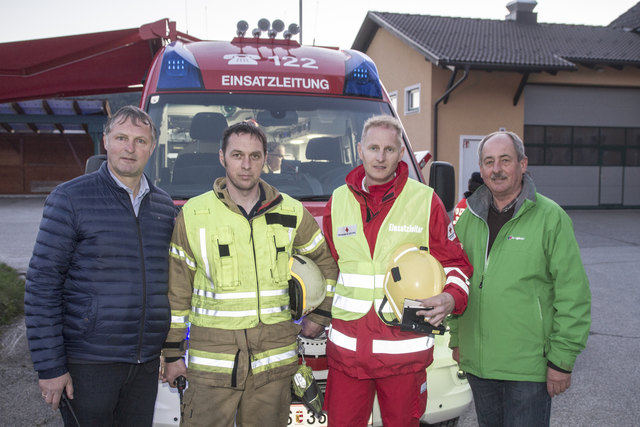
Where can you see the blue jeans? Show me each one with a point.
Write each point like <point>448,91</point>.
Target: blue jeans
<point>510,403</point>
<point>112,394</point>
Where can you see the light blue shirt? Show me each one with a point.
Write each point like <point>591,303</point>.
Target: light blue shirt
<point>144,189</point>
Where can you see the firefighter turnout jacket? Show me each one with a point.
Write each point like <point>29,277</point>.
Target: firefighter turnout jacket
<point>228,279</point>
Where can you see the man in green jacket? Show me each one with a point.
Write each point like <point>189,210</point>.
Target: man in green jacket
<point>528,315</point>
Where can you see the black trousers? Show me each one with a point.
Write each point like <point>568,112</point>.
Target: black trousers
<point>114,394</point>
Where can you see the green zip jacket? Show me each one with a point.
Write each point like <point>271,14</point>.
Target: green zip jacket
<point>529,299</point>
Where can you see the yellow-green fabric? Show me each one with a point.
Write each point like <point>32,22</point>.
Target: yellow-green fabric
<point>361,279</point>
<point>233,255</point>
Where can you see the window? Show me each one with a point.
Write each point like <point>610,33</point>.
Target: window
<point>582,145</point>
<point>412,99</point>
<point>393,97</point>
<point>632,150</point>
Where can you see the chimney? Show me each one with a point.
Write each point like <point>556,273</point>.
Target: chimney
<point>522,12</point>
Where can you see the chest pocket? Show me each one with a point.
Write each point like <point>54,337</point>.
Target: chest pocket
<point>224,252</point>
<point>279,239</point>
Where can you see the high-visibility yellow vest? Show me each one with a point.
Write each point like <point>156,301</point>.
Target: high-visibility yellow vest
<point>242,268</point>
<point>361,279</point>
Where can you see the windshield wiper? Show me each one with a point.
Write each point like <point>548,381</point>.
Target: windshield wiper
<point>321,198</point>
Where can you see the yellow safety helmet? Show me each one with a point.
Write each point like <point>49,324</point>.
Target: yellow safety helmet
<point>307,287</point>
<point>413,273</point>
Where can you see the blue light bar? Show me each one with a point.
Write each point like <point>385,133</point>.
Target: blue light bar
<point>179,69</point>
<point>361,76</point>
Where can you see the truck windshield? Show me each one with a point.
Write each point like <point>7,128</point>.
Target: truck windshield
<point>311,140</point>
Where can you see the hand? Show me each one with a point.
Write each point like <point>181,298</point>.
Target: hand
<point>557,382</point>
<point>311,329</point>
<point>443,304</point>
<point>455,354</point>
<point>52,389</point>
<point>173,370</point>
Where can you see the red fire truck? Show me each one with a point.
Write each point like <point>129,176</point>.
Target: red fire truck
<point>311,101</point>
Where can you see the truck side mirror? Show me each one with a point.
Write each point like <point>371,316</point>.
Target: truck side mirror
<point>442,179</point>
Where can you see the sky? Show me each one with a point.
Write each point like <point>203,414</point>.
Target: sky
<point>324,22</point>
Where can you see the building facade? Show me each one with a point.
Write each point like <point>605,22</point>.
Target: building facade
<point>571,91</point>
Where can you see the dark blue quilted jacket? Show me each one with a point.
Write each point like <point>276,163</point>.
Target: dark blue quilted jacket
<point>96,287</point>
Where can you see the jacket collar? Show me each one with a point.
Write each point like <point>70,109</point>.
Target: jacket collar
<point>480,201</point>
<point>272,196</point>
<point>355,177</point>
<point>104,173</point>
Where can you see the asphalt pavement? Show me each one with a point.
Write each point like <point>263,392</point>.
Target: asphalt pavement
<point>606,377</point>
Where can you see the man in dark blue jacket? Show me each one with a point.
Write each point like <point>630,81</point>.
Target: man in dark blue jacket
<point>96,305</point>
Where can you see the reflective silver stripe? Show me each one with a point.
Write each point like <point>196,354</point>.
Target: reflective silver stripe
<point>342,340</point>
<point>274,293</point>
<point>203,252</point>
<point>179,319</point>
<point>311,246</point>
<point>274,310</point>
<point>353,280</point>
<point>382,346</point>
<point>183,256</point>
<point>228,364</point>
<point>350,304</point>
<point>459,282</point>
<point>331,288</point>
<point>448,270</point>
<point>220,313</point>
<point>219,296</point>
<point>402,346</point>
<point>273,359</point>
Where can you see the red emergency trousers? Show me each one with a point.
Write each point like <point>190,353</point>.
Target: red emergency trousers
<point>398,378</point>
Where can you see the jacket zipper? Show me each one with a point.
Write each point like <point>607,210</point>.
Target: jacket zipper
<point>144,290</point>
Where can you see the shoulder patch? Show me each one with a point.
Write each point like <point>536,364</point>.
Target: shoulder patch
<point>451,234</point>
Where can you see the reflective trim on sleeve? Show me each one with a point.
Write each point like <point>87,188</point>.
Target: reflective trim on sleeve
<point>312,245</point>
<point>402,346</point>
<point>179,319</point>
<point>342,340</point>
<point>177,252</point>
<point>220,313</point>
<point>455,280</point>
<point>219,296</point>
<point>351,304</point>
<point>331,288</point>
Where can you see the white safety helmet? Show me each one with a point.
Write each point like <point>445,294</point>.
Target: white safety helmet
<point>413,273</point>
<point>307,287</point>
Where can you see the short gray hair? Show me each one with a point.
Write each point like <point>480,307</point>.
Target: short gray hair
<point>136,115</point>
<point>384,121</point>
<point>518,145</point>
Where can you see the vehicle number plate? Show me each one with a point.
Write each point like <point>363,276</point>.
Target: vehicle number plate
<point>299,415</point>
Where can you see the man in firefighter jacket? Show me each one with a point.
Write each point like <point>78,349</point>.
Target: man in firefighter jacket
<point>378,210</point>
<point>228,277</point>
